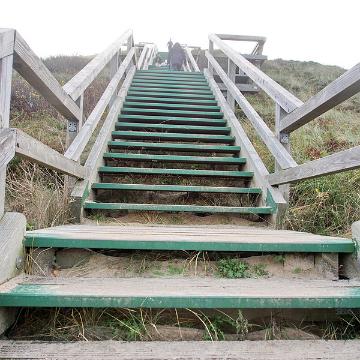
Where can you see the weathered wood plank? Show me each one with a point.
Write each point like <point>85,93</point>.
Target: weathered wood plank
<point>284,159</point>
<point>7,147</point>
<point>338,162</point>
<point>34,150</point>
<point>336,92</point>
<point>78,145</point>
<point>185,350</point>
<point>192,60</point>
<point>141,60</point>
<point>288,101</point>
<point>95,158</point>
<point>33,70</point>
<point>7,39</point>
<point>241,37</point>
<point>78,84</point>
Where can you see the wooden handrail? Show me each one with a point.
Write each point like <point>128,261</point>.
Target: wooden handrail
<point>7,39</point>
<point>7,147</point>
<point>79,143</point>
<point>142,56</point>
<point>79,83</point>
<point>284,159</point>
<point>190,57</point>
<point>284,98</point>
<point>341,161</point>
<point>342,88</point>
<point>34,71</point>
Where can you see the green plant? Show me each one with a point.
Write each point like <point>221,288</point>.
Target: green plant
<point>280,259</point>
<point>259,270</point>
<point>232,268</point>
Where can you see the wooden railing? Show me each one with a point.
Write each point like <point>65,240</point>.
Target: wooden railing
<point>16,54</point>
<point>147,56</point>
<point>290,113</point>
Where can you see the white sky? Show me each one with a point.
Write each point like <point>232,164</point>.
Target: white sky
<point>326,31</point>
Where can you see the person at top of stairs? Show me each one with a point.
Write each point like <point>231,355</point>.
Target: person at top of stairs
<point>177,57</point>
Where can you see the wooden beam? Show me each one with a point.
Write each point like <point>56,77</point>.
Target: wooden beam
<point>78,145</point>
<point>254,162</point>
<point>192,60</point>
<point>7,39</point>
<point>140,63</point>
<point>338,162</point>
<point>345,86</point>
<point>288,101</point>
<point>34,150</point>
<point>78,84</point>
<point>241,37</point>
<point>7,147</point>
<point>284,159</point>
<point>33,70</point>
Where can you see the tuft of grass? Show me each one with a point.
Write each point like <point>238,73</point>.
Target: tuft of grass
<point>259,270</point>
<point>233,268</point>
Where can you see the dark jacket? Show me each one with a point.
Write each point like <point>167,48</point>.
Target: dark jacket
<point>177,55</point>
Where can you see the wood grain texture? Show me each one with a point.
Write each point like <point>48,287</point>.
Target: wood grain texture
<point>338,162</point>
<point>241,37</point>
<point>335,93</point>
<point>7,39</point>
<point>34,71</point>
<point>184,350</point>
<point>7,147</point>
<point>79,143</point>
<point>284,159</point>
<point>34,150</point>
<point>78,84</point>
<point>190,57</point>
<point>280,95</point>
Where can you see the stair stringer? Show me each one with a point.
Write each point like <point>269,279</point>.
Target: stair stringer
<point>271,195</point>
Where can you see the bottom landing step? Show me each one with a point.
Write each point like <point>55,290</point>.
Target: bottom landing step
<point>30,291</point>
<point>185,350</point>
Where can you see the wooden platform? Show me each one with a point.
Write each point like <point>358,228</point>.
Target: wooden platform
<point>200,293</point>
<point>184,350</point>
<point>161,237</point>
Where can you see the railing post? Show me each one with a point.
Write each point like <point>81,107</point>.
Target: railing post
<point>284,139</point>
<point>211,51</point>
<point>232,76</point>
<point>114,66</point>
<point>7,39</point>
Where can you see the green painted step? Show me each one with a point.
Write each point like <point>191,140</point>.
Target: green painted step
<point>171,82</point>
<point>178,172</point>
<point>169,74</point>
<point>177,73</point>
<point>174,237</point>
<point>171,100</point>
<point>158,105</point>
<point>225,139</point>
<point>265,210</point>
<point>175,79</point>
<point>177,188</point>
<point>169,90</point>
<point>180,293</point>
<point>187,113</point>
<point>177,158</point>
<point>171,86</point>
<point>172,120</point>
<point>139,145</point>
<point>172,95</point>
<point>174,128</point>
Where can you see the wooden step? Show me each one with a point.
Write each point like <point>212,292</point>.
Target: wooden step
<point>176,158</point>
<point>159,105</point>
<point>171,86</point>
<point>177,73</point>
<point>139,145</point>
<point>224,139</point>
<point>191,129</point>
<point>169,90</point>
<point>186,237</point>
<point>178,113</point>
<point>171,120</point>
<point>169,74</point>
<point>176,95</point>
<point>171,100</point>
<point>178,172</point>
<point>265,210</point>
<point>176,188</point>
<point>174,81</point>
<point>27,291</point>
<point>184,350</point>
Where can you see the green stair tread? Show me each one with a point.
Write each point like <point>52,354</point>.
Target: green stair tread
<point>264,210</point>
<point>171,86</point>
<point>195,237</point>
<point>175,128</point>
<point>155,105</point>
<point>31,291</point>
<point>172,119</point>
<point>173,136</point>
<point>172,95</point>
<point>226,149</point>
<point>177,188</point>
<point>170,100</point>
<point>170,90</point>
<point>172,81</point>
<point>178,172</point>
<point>177,158</point>
<point>207,114</point>
<point>178,73</point>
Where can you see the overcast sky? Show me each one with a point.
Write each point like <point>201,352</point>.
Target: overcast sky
<point>326,31</point>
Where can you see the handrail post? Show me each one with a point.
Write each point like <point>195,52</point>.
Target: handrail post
<point>284,139</point>
<point>114,66</point>
<point>232,76</point>
<point>211,51</point>
<point>7,39</point>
